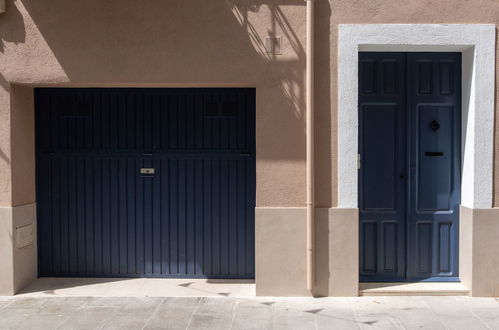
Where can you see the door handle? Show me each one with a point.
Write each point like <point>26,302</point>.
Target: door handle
<point>403,176</point>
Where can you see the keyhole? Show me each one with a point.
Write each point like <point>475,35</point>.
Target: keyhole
<point>434,125</point>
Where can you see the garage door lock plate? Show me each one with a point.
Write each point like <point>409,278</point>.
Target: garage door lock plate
<point>147,171</point>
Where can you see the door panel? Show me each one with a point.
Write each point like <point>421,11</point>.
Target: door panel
<point>435,162</point>
<point>382,192</point>
<point>409,180</point>
<point>98,215</point>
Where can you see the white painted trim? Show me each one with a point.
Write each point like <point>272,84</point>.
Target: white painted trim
<point>477,42</point>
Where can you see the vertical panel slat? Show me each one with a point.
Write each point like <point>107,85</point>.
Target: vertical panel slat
<point>173,219</point>
<point>240,216</point>
<point>199,216</point>
<point>106,215</point>
<point>216,218</point>
<point>132,171</point>
<point>190,207</point>
<point>181,216</point>
<point>65,217</point>
<point>156,216</point>
<point>98,215</point>
<point>148,213</point>
<point>208,217</point>
<point>148,125</point>
<point>114,219</point>
<point>173,122</point>
<point>73,218</point>
<point>224,216</point>
<point>56,214</point>
<point>250,216</point>
<point>232,217</point>
<point>45,212</point>
<point>123,214</point>
<point>139,222</point>
<point>89,217</point>
<point>165,216</point>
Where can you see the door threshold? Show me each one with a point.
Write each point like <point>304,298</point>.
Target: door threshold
<point>413,289</point>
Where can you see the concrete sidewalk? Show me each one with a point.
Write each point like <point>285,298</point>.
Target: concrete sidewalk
<point>248,313</point>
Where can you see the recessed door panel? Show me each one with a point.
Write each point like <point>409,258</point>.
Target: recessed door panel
<point>434,157</point>
<point>380,121</point>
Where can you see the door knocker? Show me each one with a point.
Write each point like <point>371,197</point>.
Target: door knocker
<point>435,125</point>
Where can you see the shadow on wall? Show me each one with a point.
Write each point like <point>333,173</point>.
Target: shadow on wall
<point>11,31</point>
<point>291,83</point>
<point>278,24</point>
<point>4,157</point>
<point>12,27</point>
<point>187,42</point>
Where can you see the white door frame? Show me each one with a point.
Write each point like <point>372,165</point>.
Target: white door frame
<point>477,44</point>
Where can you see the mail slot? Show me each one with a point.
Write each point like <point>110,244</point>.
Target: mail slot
<point>434,154</point>
<point>147,171</point>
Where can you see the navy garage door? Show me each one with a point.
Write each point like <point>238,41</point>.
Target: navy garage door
<point>146,182</point>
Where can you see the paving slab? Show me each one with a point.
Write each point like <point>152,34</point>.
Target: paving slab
<point>120,322</point>
<point>215,313</point>
<point>293,314</point>
<point>62,306</point>
<point>10,319</point>
<point>253,314</point>
<point>47,321</point>
<point>393,312</point>
<point>141,306</point>
<point>173,313</point>
<point>335,313</point>
<point>27,303</point>
<point>489,316</point>
<point>89,318</point>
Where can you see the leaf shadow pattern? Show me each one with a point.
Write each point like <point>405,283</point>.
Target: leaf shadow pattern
<point>12,28</point>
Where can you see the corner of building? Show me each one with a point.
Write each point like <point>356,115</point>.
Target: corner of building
<point>479,261</point>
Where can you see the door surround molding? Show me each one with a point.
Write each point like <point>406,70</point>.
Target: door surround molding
<point>477,44</point>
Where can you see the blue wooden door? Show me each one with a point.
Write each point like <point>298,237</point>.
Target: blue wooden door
<point>409,178</point>
<point>146,182</point>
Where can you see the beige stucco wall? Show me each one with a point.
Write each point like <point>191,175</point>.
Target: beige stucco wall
<point>203,43</point>
<point>161,43</point>
<point>22,145</point>
<point>280,268</point>
<point>478,246</point>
